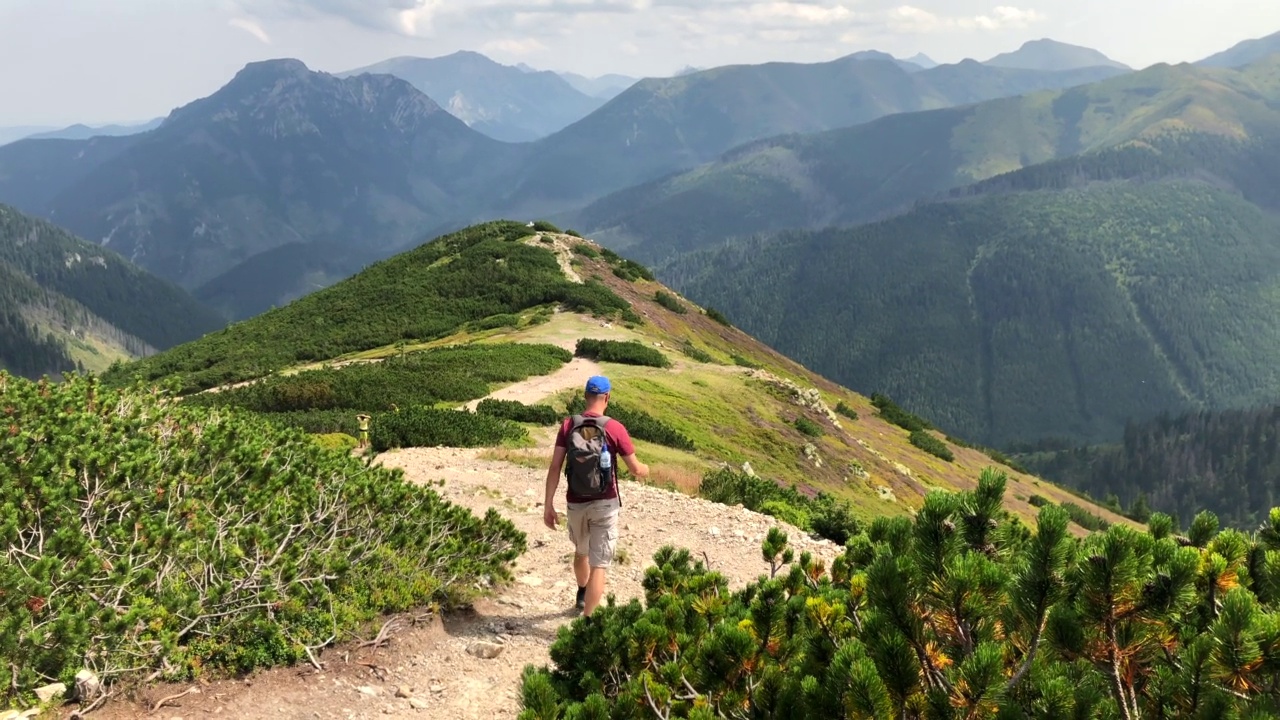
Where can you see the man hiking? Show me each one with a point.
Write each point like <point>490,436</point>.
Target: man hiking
<point>591,443</point>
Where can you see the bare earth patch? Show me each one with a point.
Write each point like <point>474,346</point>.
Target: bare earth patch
<point>438,665</point>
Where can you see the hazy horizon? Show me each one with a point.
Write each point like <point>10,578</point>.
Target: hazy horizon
<point>78,61</point>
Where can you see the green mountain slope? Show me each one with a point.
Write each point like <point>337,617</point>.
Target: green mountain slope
<point>501,101</point>
<point>66,304</point>
<point>866,172</point>
<point>1023,315</point>
<point>486,309</point>
<point>138,303</point>
<point>662,125</point>
<point>1245,52</point>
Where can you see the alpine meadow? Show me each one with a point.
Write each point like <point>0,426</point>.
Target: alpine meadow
<point>953,386</point>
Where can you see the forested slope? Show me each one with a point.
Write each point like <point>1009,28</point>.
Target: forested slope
<point>1016,316</point>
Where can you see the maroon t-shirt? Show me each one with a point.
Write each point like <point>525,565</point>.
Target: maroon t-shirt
<point>620,446</point>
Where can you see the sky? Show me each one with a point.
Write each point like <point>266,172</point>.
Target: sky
<point>102,61</point>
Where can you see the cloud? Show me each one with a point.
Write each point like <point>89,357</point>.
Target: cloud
<point>911,19</point>
<point>514,46</point>
<point>250,27</point>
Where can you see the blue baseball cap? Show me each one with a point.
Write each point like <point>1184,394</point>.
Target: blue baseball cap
<point>598,385</point>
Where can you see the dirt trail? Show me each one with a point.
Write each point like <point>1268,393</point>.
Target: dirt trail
<point>431,662</point>
<point>535,389</point>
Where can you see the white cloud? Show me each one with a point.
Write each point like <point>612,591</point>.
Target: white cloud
<point>250,27</point>
<point>911,19</point>
<point>514,46</point>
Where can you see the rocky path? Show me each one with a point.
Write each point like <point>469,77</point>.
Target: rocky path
<point>574,374</point>
<point>467,666</point>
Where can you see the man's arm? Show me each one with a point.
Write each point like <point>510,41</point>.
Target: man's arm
<point>553,479</point>
<point>636,467</point>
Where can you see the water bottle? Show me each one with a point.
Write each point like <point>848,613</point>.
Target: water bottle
<point>606,462</point>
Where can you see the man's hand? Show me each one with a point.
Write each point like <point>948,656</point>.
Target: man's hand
<point>549,516</point>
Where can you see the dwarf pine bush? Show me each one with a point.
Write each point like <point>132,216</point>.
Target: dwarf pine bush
<point>146,537</point>
<point>959,612</point>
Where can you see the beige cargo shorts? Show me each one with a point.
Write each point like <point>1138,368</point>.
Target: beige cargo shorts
<point>593,528</point>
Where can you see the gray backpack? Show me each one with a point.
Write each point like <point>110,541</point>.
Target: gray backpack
<point>586,444</point>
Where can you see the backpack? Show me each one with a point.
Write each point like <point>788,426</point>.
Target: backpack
<point>585,443</point>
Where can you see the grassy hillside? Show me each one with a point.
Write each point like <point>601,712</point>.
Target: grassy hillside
<point>423,294</point>
<point>66,304</point>
<point>411,339</point>
<point>1023,315</point>
<point>863,173</point>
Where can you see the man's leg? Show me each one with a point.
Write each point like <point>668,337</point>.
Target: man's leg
<point>603,525</point>
<point>580,534</point>
<point>582,571</point>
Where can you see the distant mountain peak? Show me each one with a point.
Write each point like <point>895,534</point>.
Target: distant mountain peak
<point>922,60</point>
<point>1053,55</point>
<point>285,97</point>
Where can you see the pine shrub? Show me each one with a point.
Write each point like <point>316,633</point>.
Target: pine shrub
<point>146,535</point>
<point>695,352</point>
<point>890,411</point>
<point>932,445</point>
<point>718,316</point>
<point>959,612</point>
<point>431,427</point>
<point>809,427</point>
<point>670,302</point>
<point>630,352</point>
<point>846,410</point>
<point>518,411</point>
<point>451,374</point>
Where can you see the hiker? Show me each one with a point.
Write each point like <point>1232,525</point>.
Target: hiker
<point>591,477</point>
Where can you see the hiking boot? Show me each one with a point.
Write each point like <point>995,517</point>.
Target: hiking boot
<point>582,599</point>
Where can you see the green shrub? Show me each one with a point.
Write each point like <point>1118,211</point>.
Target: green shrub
<point>573,232</point>
<point>631,271</point>
<point>809,427</point>
<point>846,410</point>
<point>431,427</point>
<point>544,226</point>
<point>960,611</point>
<point>451,374</point>
<point>630,352</point>
<point>585,250</point>
<point>147,535</point>
<point>824,515</point>
<point>890,411</point>
<point>518,411</point>
<point>693,351</point>
<point>493,322</point>
<point>546,240</point>
<point>336,441</point>
<point>640,425</point>
<point>718,316</point>
<point>786,512</point>
<point>744,362</point>
<point>1084,518</point>
<point>669,301</point>
<point>932,445</point>
<point>833,519</point>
